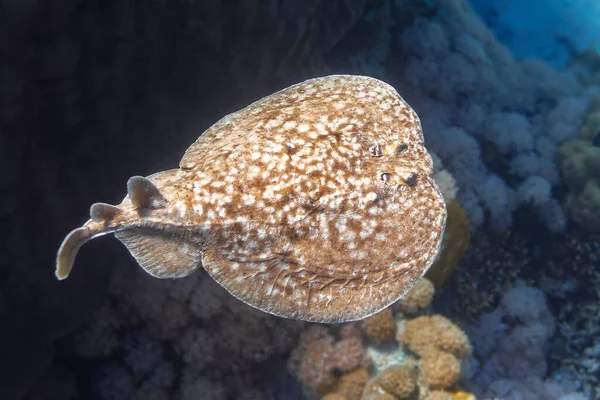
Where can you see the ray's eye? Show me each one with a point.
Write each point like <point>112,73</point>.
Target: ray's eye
<point>411,180</point>
<point>376,151</point>
<point>385,177</point>
<point>401,148</point>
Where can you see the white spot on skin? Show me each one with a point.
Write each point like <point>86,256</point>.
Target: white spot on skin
<point>248,199</point>
<point>181,208</point>
<point>303,128</point>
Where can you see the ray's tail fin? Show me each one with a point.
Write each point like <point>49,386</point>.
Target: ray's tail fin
<point>101,215</point>
<point>68,250</point>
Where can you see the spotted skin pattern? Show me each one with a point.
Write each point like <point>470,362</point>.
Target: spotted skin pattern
<point>316,203</point>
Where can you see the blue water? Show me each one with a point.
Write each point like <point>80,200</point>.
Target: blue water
<point>549,30</point>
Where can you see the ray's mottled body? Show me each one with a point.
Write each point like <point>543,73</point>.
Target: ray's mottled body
<point>316,203</point>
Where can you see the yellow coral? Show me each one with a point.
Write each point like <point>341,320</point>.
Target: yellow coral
<point>398,380</point>
<point>352,384</point>
<point>421,333</point>
<point>440,369</point>
<point>454,246</point>
<point>418,297</point>
<point>460,395</point>
<point>381,326</point>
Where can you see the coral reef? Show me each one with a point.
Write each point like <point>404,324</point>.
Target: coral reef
<point>510,346</point>
<point>476,289</point>
<point>579,162</point>
<point>461,81</point>
<point>148,341</point>
<point>425,355</point>
<point>565,268</point>
<point>507,357</point>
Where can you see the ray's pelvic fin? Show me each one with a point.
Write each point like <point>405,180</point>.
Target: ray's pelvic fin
<point>160,256</point>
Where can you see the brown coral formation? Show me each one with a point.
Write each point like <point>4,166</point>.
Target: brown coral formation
<point>439,369</point>
<point>423,363</point>
<point>319,357</point>
<point>352,384</point>
<point>381,326</point>
<point>432,366</point>
<point>418,297</point>
<point>422,333</point>
<point>399,381</point>
<point>349,353</point>
<point>311,361</point>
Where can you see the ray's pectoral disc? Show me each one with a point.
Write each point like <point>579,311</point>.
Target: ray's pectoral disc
<point>316,203</point>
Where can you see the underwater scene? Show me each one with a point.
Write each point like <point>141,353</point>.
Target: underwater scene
<point>311,200</point>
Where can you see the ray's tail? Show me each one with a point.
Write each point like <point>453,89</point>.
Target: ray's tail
<point>99,225</point>
<point>69,248</point>
<point>106,218</point>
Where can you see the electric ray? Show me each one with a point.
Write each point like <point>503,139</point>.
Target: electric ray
<point>316,202</point>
